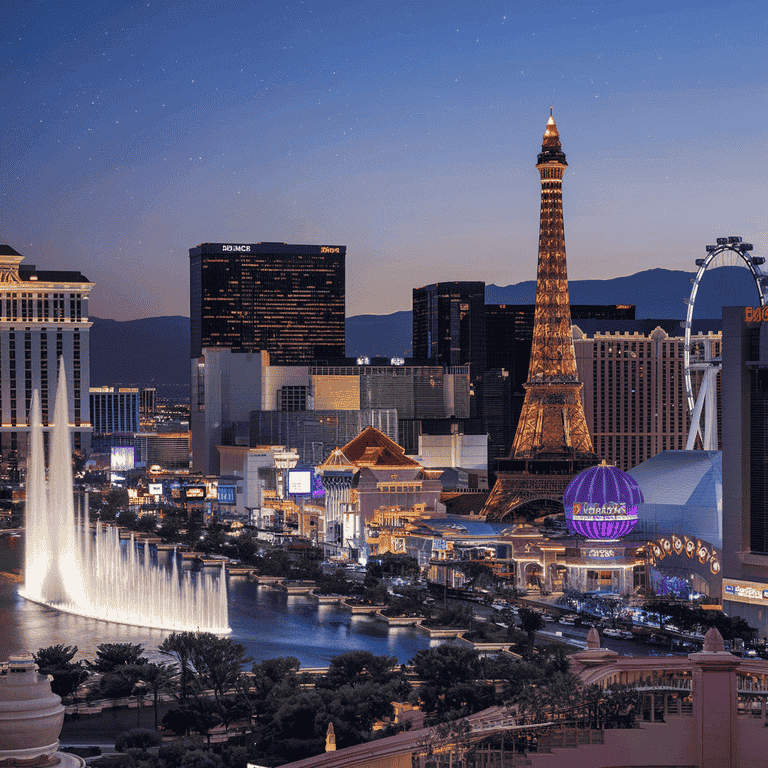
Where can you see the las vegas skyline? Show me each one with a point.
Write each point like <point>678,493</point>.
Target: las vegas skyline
<point>407,131</point>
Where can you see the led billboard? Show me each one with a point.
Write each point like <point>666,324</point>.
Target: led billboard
<point>225,494</point>
<point>299,482</point>
<point>122,458</point>
<point>155,489</point>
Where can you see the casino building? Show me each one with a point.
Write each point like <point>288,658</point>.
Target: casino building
<point>745,465</point>
<point>43,316</point>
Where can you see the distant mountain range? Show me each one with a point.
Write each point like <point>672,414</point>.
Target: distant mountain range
<point>155,351</point>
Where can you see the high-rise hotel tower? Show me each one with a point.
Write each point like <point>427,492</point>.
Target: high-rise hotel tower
<point>253,306</point>
<point>43,317</point>
<point>552,442</point>
<point>287,300</point>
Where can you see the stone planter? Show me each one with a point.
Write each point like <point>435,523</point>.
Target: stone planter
<point>295,587</point>
<point>442,632</point>
<point>362,609</point>
<point>325,599</point>
<point>484,647</point>
<point>400,621</point>
<point>268,579</point>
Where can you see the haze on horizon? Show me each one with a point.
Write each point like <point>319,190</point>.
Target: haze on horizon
<point>407,131</point>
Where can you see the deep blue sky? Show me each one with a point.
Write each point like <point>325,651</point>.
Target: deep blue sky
<point>407,131</point>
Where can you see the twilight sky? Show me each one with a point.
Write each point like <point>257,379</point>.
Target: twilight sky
<point>407,131</point>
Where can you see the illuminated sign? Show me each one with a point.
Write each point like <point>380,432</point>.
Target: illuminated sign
<point>226,494</point>
<point>326,249</point>
<point>601,503</point>
<point>318,489</point>
<point>601,553</point>
<point>237,248</point>
<point>745,592</point>
<point>155,489</point>
<point>756,315</point>
<point>609,511</point>
<point>299,481</point>
<point>194,492</point>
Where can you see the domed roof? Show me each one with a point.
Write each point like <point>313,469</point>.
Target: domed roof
<point>602,484</point>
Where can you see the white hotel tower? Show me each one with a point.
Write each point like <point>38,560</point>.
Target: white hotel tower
<point>43,316</point>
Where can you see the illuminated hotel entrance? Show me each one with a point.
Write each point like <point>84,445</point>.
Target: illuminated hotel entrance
<point>605,567</point>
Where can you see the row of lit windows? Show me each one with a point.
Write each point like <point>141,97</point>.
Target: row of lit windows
<point>45,307</point>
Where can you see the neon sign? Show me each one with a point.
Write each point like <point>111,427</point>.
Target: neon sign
<point>601,553</point>
<point>607,511</point>
<point>326,249</point>
<point>756,314</point>
<point>745,591</point>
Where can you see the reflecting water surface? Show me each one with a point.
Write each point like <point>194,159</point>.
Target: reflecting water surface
<point>267,622</point>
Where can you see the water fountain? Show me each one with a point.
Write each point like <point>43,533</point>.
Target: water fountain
<point>71,569</point>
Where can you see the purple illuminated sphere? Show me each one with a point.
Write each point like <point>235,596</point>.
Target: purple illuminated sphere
<point>601,503</point>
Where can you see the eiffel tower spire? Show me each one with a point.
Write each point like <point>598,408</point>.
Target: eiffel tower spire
<point>552,423</point>
<point>552,441</point>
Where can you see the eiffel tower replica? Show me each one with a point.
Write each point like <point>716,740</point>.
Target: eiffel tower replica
<point>552,442</point>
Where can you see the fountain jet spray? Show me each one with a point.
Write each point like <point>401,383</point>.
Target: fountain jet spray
<point>105,581</point>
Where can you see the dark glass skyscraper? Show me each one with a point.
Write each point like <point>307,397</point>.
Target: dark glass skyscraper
<point>449,324</point>
<point>285,299</point>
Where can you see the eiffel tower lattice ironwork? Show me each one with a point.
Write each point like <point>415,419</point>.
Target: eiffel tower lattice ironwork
<point>552,442</point>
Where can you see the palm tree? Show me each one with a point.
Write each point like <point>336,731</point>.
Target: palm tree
<point>180,646</point>
<point>158,677</point>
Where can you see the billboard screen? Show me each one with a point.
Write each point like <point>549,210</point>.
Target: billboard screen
<point>155,489</point>
<point>299,481</point>
<point>226,494</point>
<point>194,491</point>
<point>122,458</point>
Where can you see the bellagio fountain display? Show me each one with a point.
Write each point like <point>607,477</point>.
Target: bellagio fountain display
<point>90,573</point>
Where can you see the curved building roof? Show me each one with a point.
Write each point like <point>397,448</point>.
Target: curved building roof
<point>683,492</point>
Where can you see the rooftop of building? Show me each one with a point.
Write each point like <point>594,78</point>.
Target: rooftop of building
<point>683,494</point>
<point>372,448</point>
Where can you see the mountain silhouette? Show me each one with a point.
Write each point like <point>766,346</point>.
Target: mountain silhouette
<point>154,351</point>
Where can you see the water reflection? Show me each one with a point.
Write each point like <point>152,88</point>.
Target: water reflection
<point>267,622</point>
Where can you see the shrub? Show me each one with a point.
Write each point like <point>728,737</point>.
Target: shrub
<point>137,738</point>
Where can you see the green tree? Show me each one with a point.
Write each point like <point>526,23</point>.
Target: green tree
<point>110,656</point>
<point>452,684</point>
<point>178,720</point>
<point>56,660</point>
<point>531,622</point>
<point>158,677</point>
<point>359,668</point>
<point>116,685</point>
<point>218,662</point>
<point>137,738</point>
<point>661,609</point>
<point>114,500</point>
<point>179,646</point>
<point>147,523</point>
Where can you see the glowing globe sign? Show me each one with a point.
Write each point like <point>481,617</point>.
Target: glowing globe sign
<point>601,503</point>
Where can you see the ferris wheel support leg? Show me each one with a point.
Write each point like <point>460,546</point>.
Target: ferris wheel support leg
<point>710,412</point>
<point>696,416</point>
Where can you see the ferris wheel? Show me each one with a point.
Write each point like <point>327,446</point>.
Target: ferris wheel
<point>702,358</point>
